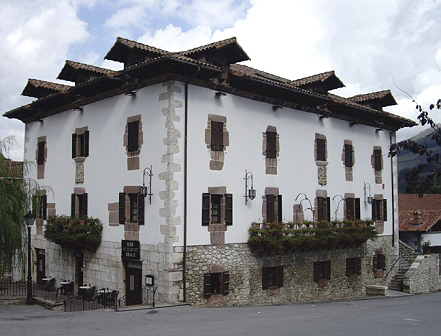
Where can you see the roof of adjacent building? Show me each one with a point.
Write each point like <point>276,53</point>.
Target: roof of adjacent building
<point>213,66</point>
<point>418,212</point>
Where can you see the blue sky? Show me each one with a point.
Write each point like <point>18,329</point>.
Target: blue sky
<point>370,44</point>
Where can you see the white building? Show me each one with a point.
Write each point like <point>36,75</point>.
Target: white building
<point>198,121</point>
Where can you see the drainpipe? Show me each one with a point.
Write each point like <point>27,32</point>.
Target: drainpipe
<point>391,135</point>
<point>184,262</point>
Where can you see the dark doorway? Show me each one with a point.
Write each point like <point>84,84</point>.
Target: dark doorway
<point>41,265</point>
<point>78,268</point>
<point>133,284</point>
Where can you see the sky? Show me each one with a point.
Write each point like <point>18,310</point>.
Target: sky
<point>371,45</point>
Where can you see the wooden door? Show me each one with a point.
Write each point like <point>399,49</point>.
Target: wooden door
<point>41,265</point>
<point>78,269</point>
<point>133,286</point>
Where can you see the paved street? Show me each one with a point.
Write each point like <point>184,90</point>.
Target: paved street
<point>409,315</point>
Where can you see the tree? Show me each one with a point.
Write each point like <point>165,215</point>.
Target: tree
<point>419,179</point>
<point>14,203</point>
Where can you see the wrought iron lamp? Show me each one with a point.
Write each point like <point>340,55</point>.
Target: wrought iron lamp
<point>29,220</point>
<point>147,190</point>
<point>249,193</point>
<point>367,193</point>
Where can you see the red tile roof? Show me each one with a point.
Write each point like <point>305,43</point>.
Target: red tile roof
<point>428,207</point>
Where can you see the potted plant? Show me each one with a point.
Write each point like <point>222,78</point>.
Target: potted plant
<point>426,247</point>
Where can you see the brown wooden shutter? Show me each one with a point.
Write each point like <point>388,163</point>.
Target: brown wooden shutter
<point>348,155</point>
<point>350,205</point>
<point>122,208</point>
<point>84,209</point>
<point>40,157</point>
<point>271,147</point>
<point>207,285</point>
<point>328,269</point>
<point>384,209</point>
<point>279,209</point>
<point>357,208</point>
<point>74,146</point>
<point>72,205</point>
<point>328,209</point>
<point>132,136</point>
<point>280,276</point>
<point>321,205</point>
<point>321,149</point>
<point>44,206</point>
<point>374,263</point>
<point>225,283</point>
<point>217,136</point>
<point>270,215</point>
<point>377,159</point>
<point>86,143</point>
<point>374,209</point>
<point>265,277</point>
<point>348,266</point>
<point>228,209</point>
<point>316,271</point>
<point>141,209</point>
<point>358,265</point>
<point>382,262</point>
<point>205,209</point>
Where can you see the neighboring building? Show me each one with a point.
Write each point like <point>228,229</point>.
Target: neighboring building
<point>199,123</point>
<point>420,220</point>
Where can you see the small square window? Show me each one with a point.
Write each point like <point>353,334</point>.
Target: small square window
<point>322,270</point>
<point>216,283</point>
<point>353,266</point>
<point>272,277</point>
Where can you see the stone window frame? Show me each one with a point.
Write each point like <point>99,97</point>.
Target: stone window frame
<point>79,203</point>
<point>272,269</point>
<point>348,163</point>
<point>271,156</point>
<point>133,155</point>
<point>322,204</point>
<point>80,142</point>
<point>39,205</point>
<point>353,268</point>
<point>223,278</point>
<point>217,229</point>
<point>41,156</point>
<point>126,206</point>
<point>355,207</point>
<point>278,213</point>
<point>217,157</point>
<point>322,272</point>
<point>379,212</point>
<point>322,174</point>
<point>377,164</point>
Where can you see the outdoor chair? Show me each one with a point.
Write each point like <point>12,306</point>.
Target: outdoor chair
<point>67,289</point>
<point>89,295</point>
<point>50,286</point>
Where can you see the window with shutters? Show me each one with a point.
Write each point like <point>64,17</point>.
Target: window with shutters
<point>40,206</point>
<point>352,206</point>
<point>131,208</point>
<point>377,159</point>
<point>270,149</point>
<point>379,209</point>
<point>216,140</point>
<point>132,136</point>
<point>80,143</point>
<point>322,270</point>
<point>379,262</point>
<point>79,205</point>
<point>40,157</point>
<point>353,266</point>
<point>272,277</point>
<point>323,209</point>
<point>321,149</point>
<point>273,208</point>
<point>217,136</point>
<point>217,283</point>
<point>133,140</point>
<point>348,159</point>
<point>217,209</point>
<point>348,155</point>
<point>321,156</point>
<point>377,164</point>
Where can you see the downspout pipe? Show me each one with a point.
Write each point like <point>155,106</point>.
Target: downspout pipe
<point>184,256</point>
<point>391,141</point>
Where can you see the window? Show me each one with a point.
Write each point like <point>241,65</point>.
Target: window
<point>216,283</point>
<point>271,145</point>
<point>377,160</point>
<point>273,208</point>
<point>272,277</point>
<point>80,144</point>
<point>379,262</point>
<point>379,209</point>
<point>40,206</point>
<point>135,208</point>
<point>322,270</point>
<point>353,266</point>
<point>133,136</point>
<point>217,136</point>
<point>321,149</point>
<point>79,205</point>
<point>348,155</point>
<point>323,209</point>
<point>217,209</point>
<point>40,152</point>
<point>352,208</point>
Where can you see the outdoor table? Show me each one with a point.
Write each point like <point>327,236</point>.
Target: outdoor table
<point>64,282</point>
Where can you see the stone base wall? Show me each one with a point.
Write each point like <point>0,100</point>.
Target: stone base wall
<point>245,273</point>
<point>423,275</point>
<point>105,267</point>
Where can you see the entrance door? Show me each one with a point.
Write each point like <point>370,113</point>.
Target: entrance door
<point>133,286</point>
<point>78,269</point>
<point>41,262</point>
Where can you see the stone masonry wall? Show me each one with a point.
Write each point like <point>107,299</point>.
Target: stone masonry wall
<point>423,275</point>
<point>245,270</point>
